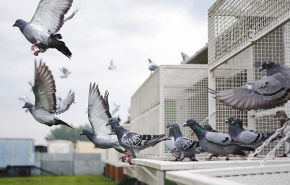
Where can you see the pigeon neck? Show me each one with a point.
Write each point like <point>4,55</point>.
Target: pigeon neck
<point>238,129</point>
<point>232,131</point>
<point>276,68</point>
<point>198,130</point>
<point>171,133</point>
<point>119,130</point>
<point>22,26</point>
<point>31,108</point>
<point>177,134</point>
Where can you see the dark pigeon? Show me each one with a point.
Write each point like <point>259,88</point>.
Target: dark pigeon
<point>266,93</point>
<point>230,121</point>
<point>186,146</point>
<point>214,142</point>
<point>170,144</point>
<point>283,118</point>
<point>209,128</point>
<point>132,141</point>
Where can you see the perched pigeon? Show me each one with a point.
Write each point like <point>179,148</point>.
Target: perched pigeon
<point>266,93</point>
<point>186,146</point>
<point>45,101</point>
<point>214,142</point>
<point>232,133</point>
<point>65,72</point>
<point>42,30</point>
<point>209,128</point>
<point>99,114</point>
<point>111,67</point>
<point>152,66</point>
<point>247,138</point>
<point>116,109</point>
<point>170,144</point>
<point>132,141</point>
<point>184,56</point>
<point>282,116</point>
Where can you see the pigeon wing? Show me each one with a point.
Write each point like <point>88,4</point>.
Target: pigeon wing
<point>266,93</point>
<point>50,14</point>
<point>249,137</point>
<point>184,143</point>
<point>218,138</point>
<point>44,88</point>
<point>98,111</point>
<point>132,139</point>
<point>64,105</point>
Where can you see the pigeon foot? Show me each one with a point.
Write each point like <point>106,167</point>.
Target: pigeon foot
<point>36,53</point>
<point>127,154</point>
<point>33,47</point>
<point>129,159</point>
<point>212,157</point>
<point>280,156</point>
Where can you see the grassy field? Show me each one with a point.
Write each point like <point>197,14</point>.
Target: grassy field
<point>60,180</point>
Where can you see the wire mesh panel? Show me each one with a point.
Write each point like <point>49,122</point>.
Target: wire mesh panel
<point>182,95</point>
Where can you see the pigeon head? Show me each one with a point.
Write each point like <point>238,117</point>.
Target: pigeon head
<point>114,122</point>
<point>281,115</point>
<point>266,65</point>
<point>19,23</point>
<point>229,120</point>
<point>207,127</point>
<point>169,124</point>
<point>86,132</point>
<point>28,105</point>
<point>190,123</point>
<point>175,129</point>
<point>238,122</point>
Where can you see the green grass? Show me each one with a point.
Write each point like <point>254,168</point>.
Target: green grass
<point>60,180</point>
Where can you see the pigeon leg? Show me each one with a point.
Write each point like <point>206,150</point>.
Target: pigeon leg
<point>212,157</point>
<point>36,53</point>
<point>227,158</point>
<point>127,154</point>
<point>176,157</point>
<point>33,47</point>
<point>129,159</point>
<point>280,156</point>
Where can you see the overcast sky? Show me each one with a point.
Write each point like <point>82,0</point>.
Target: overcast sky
<point>127,31</point>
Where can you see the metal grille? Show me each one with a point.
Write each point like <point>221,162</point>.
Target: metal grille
<point>182,94</point>
<point>235,25</point>
<point>243,68</point>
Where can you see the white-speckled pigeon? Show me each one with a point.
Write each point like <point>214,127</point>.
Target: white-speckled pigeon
<point>45,101</point>
<point>186,146</point>
<point>266,93</point>
<point>283,118</point>
<point>214,142</point>
<point>170,144</point>
<point>132,141</point>
<point>42,30</point>
<point>99,114</point>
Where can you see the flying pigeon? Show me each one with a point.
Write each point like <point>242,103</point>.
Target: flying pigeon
<point>214,142</point>
<point>111,66</point>
<point>170,144</point>
<point>247,138</point>
<point>186,146</point>
<point>209,128</point>
<point>283,118</point>
<point>184,56</point>
<point>65,72</point>
<point>45,106</point>
<point>42,30</point>
<point>99,114</point>
<point>152,66</point>
<point>132,141</point>
<point>116,109</point>
<point>266,93</point>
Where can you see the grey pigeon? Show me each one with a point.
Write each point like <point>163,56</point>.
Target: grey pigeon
<point>99,114</point>
<point>112,66</point>
<point>186,146</point>
<point>209,128</point>
<point>184,56</point>
<point>42,30</point>
<point>232,133</point>
<point>132,141</point>
<point>247,138</point>
<point>152,66</point>
<point>45,106</point>
<point>170,144</point>
<point>214,142</point>
<point>283,118</point>
<point>266,93</point>
<point>65,72</point>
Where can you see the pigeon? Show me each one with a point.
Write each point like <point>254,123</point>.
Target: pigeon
<point>132,141</point>
<point>184,56</point>
<point>65,72</point>
<point>111,67</point>
<point>209,128</point>
<point>283,118</point>
<point>116,109</point>
<point>214,142</point>
<point>232,132</point>
<point>99,114</point>
<point>186,146</point>
<point>42,30</point>
<point>45,106</point>
<point>247,138</point>
<point>152,66</point>
<point>266,93</point>
<point>170,144</point>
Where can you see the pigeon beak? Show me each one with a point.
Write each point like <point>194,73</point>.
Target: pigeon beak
<point>14,25</point>
<point>23,107</point>
<point>167,126</point>
<point>108,124</point>
<point>261,69</point>
<point>185,125</point>
<point>81,134</point>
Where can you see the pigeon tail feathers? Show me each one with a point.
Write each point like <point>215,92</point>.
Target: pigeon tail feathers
<point>60,122</point>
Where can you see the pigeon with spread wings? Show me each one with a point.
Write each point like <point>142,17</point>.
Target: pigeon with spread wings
<point>42,30</point>
<point>266,93</point>
<point>99,114</point>
<point>45,106</point>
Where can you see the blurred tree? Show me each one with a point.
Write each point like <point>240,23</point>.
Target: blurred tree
<point>66,133</point>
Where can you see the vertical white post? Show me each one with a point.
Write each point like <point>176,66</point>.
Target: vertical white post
<point>211,100</point>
